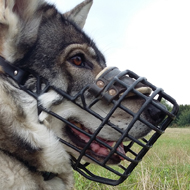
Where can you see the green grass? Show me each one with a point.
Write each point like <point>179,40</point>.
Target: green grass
<point>165,167</point>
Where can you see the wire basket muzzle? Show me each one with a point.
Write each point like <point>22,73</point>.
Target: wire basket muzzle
<point>114,87</point>
<point>120,92</point>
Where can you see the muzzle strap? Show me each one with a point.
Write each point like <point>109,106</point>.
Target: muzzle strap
<point>108,86</point>
<point>15,73</point>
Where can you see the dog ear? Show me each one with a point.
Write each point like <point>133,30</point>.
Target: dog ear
<point>19,22</point>
<point>23,8</point>
<point>80,13</point>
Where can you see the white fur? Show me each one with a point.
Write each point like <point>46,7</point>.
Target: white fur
<point>53,156</point>
<point>69,110</point>
<point>38,135</point>
<point>11,20</point>
<point>46,100</point>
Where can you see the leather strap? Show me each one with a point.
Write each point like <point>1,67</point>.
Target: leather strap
<point>17,74</point>
<point>110,88</point>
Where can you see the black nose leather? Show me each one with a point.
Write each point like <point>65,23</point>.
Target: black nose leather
<point>156,114</point>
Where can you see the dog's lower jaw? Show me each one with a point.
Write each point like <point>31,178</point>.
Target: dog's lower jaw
<point>95,150</point>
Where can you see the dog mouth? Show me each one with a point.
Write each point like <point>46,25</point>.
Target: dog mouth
<point>96,150</point>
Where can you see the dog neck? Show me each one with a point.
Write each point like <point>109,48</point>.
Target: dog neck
<point>20,77</point>
<point>46,175</point>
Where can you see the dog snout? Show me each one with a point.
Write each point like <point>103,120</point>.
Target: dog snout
<point>157,115</point>
<point>112,83</point>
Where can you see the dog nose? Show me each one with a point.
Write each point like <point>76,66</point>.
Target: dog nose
<point>156,114</point>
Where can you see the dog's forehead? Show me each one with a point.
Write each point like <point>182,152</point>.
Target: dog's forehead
<point>78,36</point>
<point>65,32</point>
<point>92,51</point>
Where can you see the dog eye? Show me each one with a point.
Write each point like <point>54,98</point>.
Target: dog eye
<point>80,61</point>
<point>77,60</point>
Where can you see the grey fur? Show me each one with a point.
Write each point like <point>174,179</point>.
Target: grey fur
<point>34,35</point>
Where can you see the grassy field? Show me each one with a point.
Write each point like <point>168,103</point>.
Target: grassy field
<point>165,167</point>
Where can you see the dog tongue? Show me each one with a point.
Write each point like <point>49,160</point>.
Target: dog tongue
<point>97,148</point>
<point>103,151</point>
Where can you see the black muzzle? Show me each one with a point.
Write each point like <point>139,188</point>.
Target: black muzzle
<point>112,87</point>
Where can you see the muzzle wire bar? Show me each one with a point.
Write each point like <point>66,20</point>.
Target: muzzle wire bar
<point>149,143</point>
<point>124,84</point>
<point>145,144</point>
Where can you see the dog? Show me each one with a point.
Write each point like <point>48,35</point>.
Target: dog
<point>35,36</point>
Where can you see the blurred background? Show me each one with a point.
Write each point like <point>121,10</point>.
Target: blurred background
<point>149,37</point>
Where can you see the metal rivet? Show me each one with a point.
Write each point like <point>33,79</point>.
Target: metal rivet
<point>100,84</point>
<point>15,72</point>
<point>112,92</point>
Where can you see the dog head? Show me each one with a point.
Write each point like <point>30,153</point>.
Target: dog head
<point>38,39</point>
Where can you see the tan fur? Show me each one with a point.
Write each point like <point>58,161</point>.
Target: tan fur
<point>1,49</point>
<point>1,41</point>
<point>10,28</point>
<point>1,70</point>
<point>12,24</point>
<point>76,48</point>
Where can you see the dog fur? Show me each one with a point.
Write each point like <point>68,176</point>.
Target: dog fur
<point>34,35</point>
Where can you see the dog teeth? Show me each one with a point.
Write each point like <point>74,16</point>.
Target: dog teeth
<point>77,124</point>
<point>114,143</point>
<point>86,130</point>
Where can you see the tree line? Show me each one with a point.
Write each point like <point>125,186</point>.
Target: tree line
<point>183,116</point>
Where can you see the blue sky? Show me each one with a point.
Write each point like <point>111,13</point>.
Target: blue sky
<point>149,37</point>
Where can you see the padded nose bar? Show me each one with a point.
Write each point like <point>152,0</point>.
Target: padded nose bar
<point>111,90</point>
